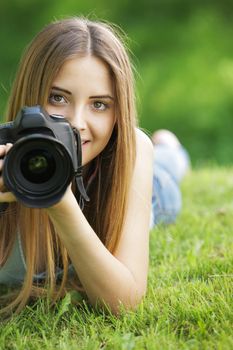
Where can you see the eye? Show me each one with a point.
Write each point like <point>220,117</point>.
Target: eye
<point>56,99</point>
<point>100,106</point>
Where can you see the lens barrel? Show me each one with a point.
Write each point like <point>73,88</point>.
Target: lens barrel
<point>38,169</point>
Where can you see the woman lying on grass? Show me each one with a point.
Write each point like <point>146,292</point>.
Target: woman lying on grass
<point>80,69</point>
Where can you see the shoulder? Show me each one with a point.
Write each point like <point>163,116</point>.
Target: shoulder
<point>133,248</point>
<point>144,145</point>
<point>143,139</point>
<point>143,169</point>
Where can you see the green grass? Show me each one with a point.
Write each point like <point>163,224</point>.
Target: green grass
<point>189,303</point>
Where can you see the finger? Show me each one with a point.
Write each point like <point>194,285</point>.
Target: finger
<point>8,147</point>
<point>7,197</point>
<point>2,151</point>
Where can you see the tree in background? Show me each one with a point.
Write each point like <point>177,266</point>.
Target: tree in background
<point>182,51</point>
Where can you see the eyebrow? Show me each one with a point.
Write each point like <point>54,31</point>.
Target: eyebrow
<point>102,96</point>
<point>61,89</point>
<point>91,97</point>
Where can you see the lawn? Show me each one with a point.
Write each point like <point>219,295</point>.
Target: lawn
<point>189,304</point>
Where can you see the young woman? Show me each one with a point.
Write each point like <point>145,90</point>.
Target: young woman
<point>80,69</point>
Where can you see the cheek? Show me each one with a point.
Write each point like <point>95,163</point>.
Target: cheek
<point>108,132</point>
<point>103,130</point>
<point>55,110</point>
<point>51,110</point>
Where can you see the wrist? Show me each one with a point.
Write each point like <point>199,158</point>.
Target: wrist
<point>65,204</point>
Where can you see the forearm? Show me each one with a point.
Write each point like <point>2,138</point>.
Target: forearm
<point>104,278</point>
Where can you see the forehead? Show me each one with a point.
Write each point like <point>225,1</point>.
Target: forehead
<point>88,70</point>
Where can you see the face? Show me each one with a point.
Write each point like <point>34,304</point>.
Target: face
<point>83,93</point>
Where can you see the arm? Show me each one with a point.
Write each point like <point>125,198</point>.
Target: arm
<point>107,278</point>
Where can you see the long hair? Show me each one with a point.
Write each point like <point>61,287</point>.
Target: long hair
<point>108,192</point>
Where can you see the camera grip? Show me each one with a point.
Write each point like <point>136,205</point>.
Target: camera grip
<point>5,133</point>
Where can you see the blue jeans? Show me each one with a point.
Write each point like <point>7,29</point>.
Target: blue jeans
<point>170,166</point>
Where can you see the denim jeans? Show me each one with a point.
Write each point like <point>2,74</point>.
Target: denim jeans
<point>170,166</point>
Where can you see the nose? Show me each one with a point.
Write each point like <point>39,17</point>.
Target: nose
<point>79,120</point>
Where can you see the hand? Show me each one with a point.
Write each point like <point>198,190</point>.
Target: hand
<point>4,195</point>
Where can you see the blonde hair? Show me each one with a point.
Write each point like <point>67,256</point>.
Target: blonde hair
<point>108,192</point>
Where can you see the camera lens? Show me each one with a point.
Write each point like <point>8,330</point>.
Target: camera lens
<point>38,166</point>
<point>38,169</point>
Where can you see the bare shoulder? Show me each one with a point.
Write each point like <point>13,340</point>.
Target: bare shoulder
<point>143,169</point>
<point>144,144</point>
<point>133,248</point>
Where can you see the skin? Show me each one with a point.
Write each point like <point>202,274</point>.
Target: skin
<point>4,195</point>
<point>106,278</point>
<point>83,93</point>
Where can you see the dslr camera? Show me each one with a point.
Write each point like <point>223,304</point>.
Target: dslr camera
<point>45,157</point>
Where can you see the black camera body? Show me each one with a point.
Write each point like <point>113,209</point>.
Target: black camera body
<point>46,155</point>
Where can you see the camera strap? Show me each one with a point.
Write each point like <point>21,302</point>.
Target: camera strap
<point>78,172</point>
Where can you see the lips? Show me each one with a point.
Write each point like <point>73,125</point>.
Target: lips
<point>84,142</point>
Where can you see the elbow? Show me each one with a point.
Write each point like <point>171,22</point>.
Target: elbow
<point>117,304</point>
<point>130,303</point>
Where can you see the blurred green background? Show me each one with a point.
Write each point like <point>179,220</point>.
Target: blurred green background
<point>183,53</point>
